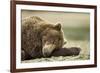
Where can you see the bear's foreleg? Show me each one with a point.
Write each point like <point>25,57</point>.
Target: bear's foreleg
<point>67,51</point>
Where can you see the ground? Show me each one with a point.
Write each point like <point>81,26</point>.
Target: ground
<point>84,54</point>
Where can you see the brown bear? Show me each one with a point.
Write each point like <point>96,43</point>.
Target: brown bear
<point>41,39</point>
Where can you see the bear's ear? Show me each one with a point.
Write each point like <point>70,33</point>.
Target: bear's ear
<point>58,26</point>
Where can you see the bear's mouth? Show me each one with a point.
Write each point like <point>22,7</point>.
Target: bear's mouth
<point>48,49</point>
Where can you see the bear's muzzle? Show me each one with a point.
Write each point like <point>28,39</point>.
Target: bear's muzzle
<point>48,49</point>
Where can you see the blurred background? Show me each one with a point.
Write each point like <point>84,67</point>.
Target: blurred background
<point>76,27</point>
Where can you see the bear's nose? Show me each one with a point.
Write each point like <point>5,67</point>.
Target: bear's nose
<point>47,49</point>
<point>46,52</point>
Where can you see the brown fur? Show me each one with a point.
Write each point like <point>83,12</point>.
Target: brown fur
<point>42,39</point>
<point>66,51</point>
<point>36,33</point>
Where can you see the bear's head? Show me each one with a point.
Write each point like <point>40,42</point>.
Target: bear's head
<point>52,38</point>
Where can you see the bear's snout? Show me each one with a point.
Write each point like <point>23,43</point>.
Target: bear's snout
<point>48,49</point>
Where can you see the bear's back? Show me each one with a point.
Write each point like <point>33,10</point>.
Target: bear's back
<point>33,19</point>
<point>30,35</point>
